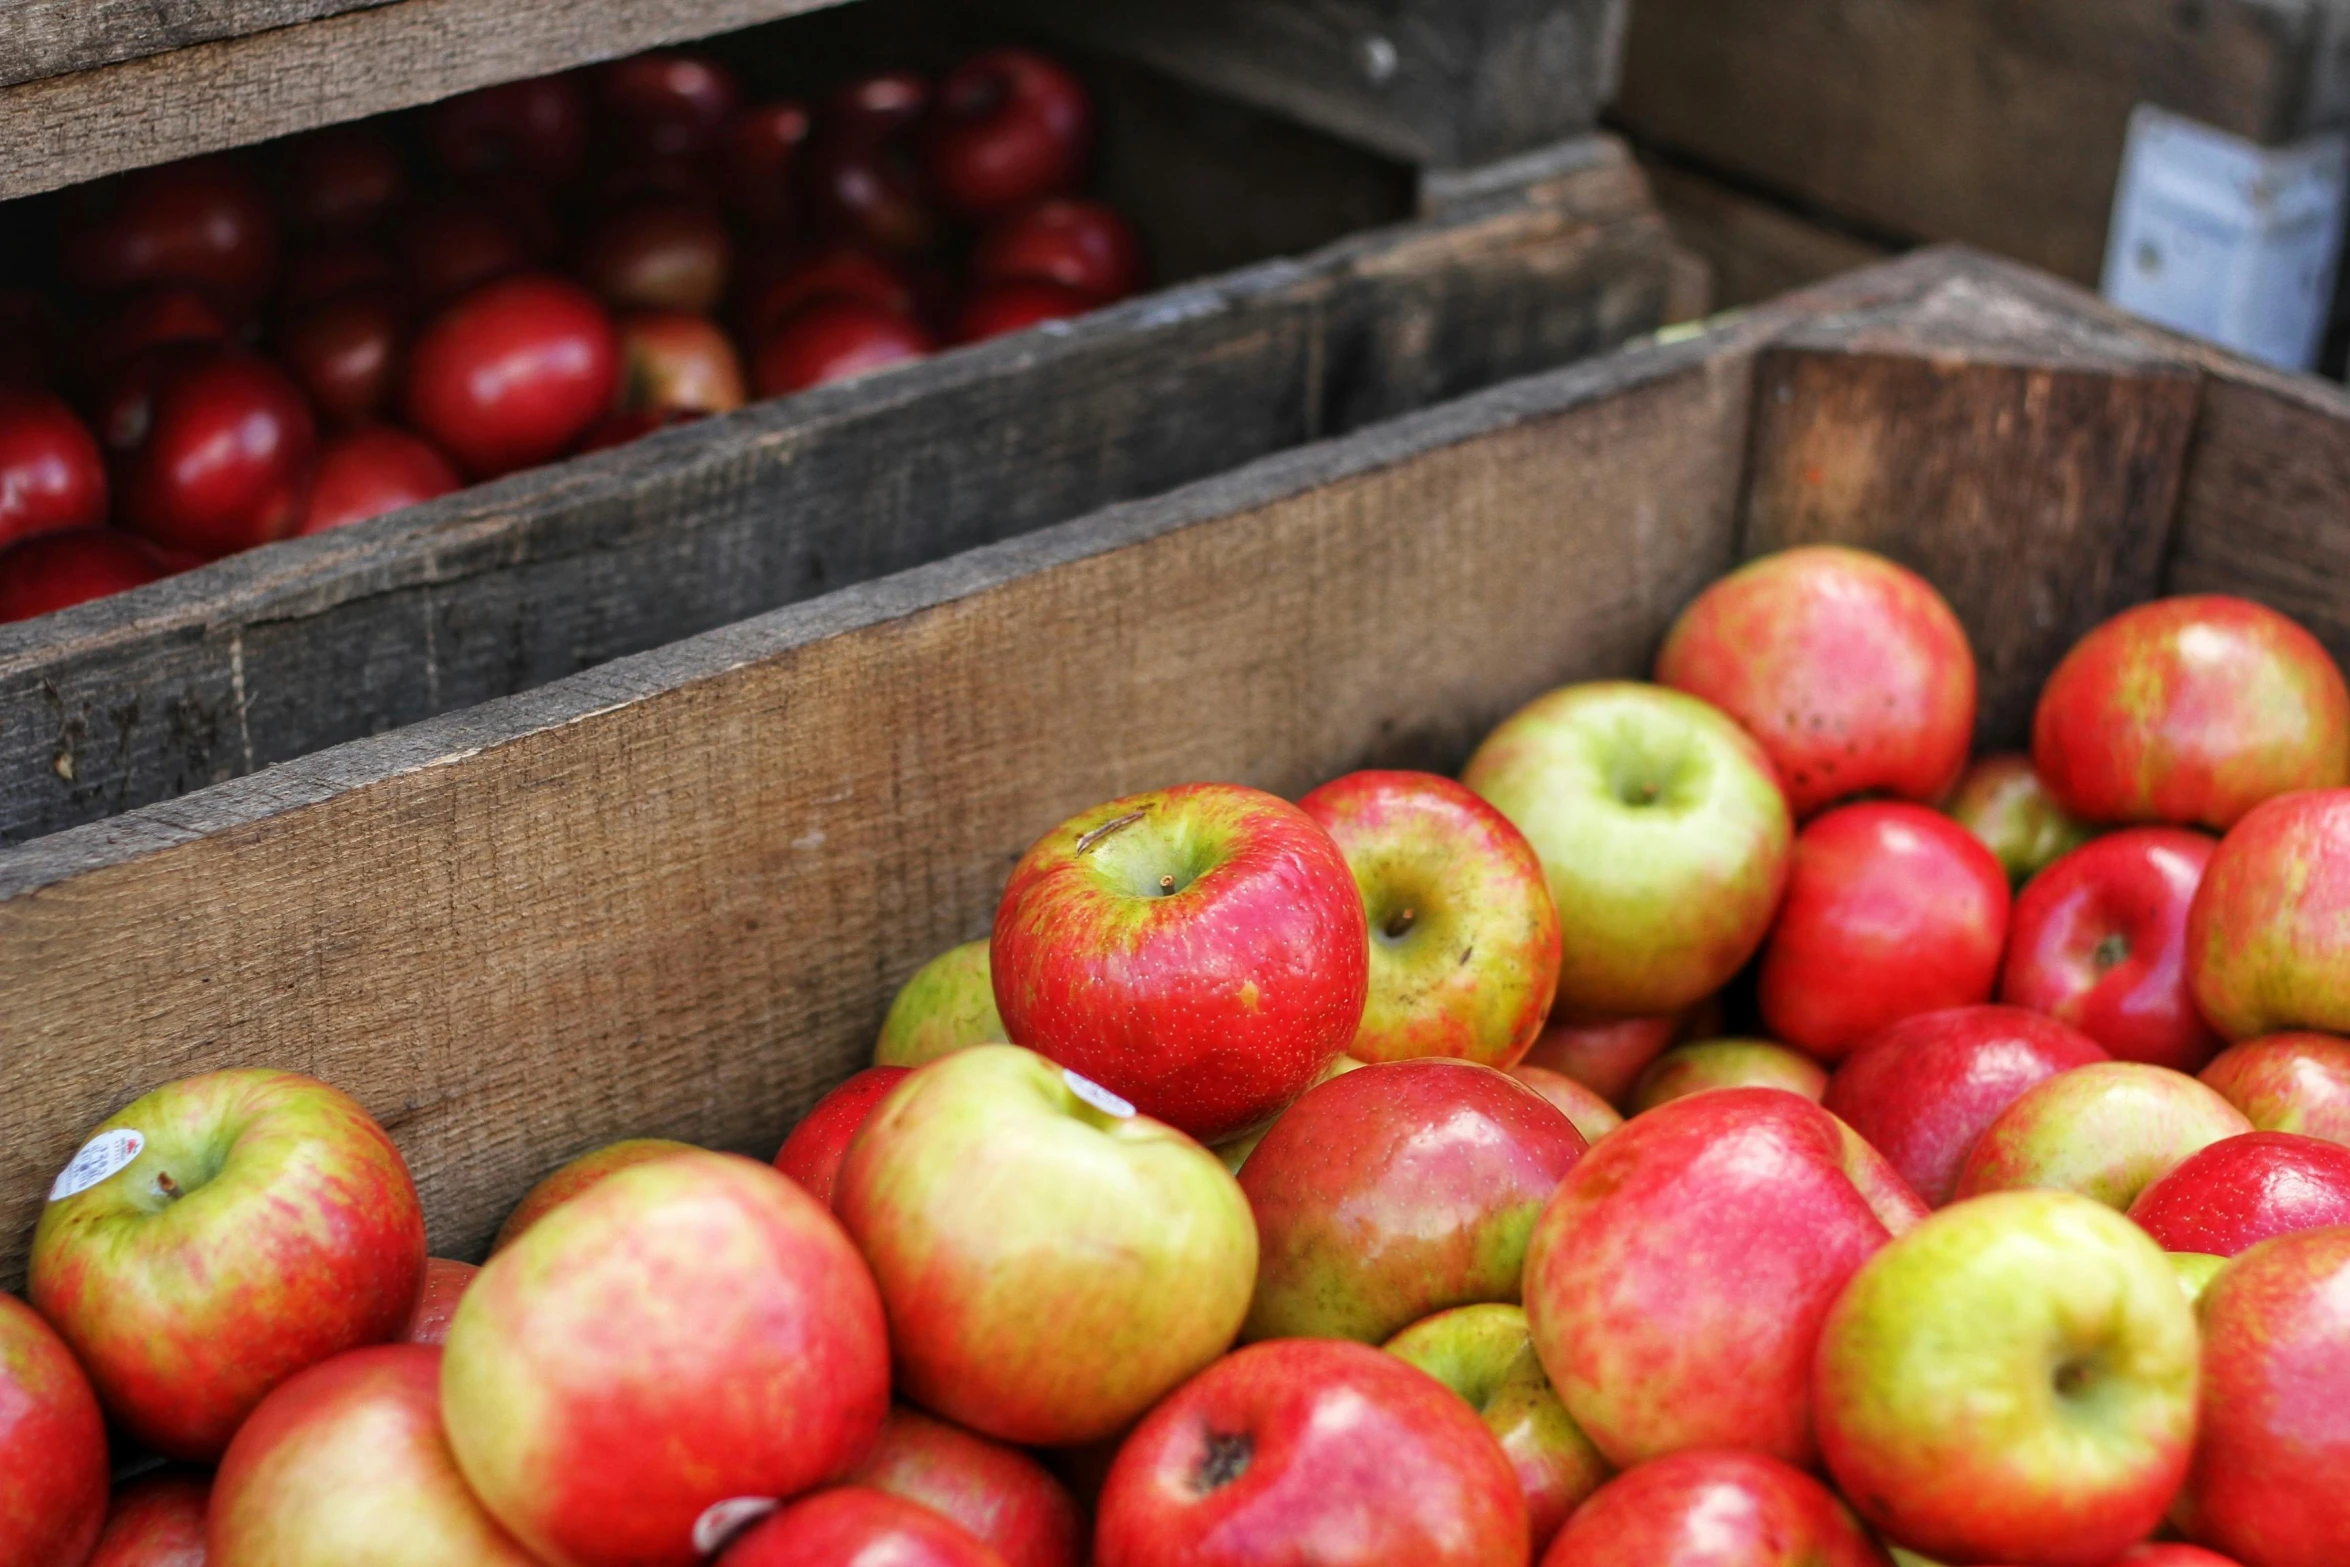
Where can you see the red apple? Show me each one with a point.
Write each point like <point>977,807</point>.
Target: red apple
<point>1726,1063</point>
<point>152,316</point>
<point>948,1005</point>
<point>54,571</point>
<point>445,1283</point>
<point>343,179</point>
<point>1389,1194</point>
<point>1892,910</point>
<point>659,255</point>
<point>52,1445</point>
<point>2275,1431</point>
<point>1605,1055</point>
<point>1486,1355</point>
<point>1677,1282</point>
<point>2242,1190</point>
<point>686,1339</point>
<point>1850,670</point>
<point>794,282</point>
<point>1713,1506</point>
<point>676,363</point>
<point>1663,833</point>
<point>537,128</point>
<point>2268,938</point>
<point>347,1462</point>
<point>668,101</point>
<point>1464,938</point>
<point>344,353</point>
<point>2107,1130</point>
<point>835,339</point>
<point>2011,1381</point>
<point>157,1521</point>
<point>995,1493</point>
<point>1309,1451</point>
<point>858,177</point>
<point>203,220</point>
<point>2099,940</point>
<point>855,1526</point>
<point>1011,127</point>
<point>218,1236</point>
<point>1201,951</point>
<point>2191,711</point>
<point>52,475</point>
<point>369,472</point>
<point>512,374</point>
<point>811,1155</point>
<point>1000,309</point>
<point>1082,245</point>
<point>216,456</point>
<point>1053,1263</point>
<point>568,1181</point>
<point>757,158</point>
<point>1593,1116</point>
<point>2289,1083</point>
<point>1922,1091</point>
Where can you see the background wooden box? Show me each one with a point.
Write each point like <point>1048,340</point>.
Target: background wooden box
<point>672,895</point>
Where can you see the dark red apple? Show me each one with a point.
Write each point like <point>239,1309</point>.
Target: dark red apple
<point>2242,1190</point>
<point>216,456</point>
<point>812,1154</point>
<point>512,374</point>
<point>1001,309</point>
<point>344,353</point>
<point>537,128</point>
<point>1711,1506</point>
<point>156,1521</point>
<point>668,101</point>
<point>995,1492</point>
<point>757,159</point>
<point>835,339</point>
<point>856,1526</point>
<point>52,475</point>
<point>54,571</point>
<point>343,179</point>
<point>1010,127</point>
<point>1924,1089</point>
<point>203,221</point>
<point>1302,1451</point>
<point>659,255</point>
<point>840,270</point>
<point>52,1445</point>
<point>158,314</point>
<point>857,174</point>
<point>369,472</point>
<point>1078,244</point>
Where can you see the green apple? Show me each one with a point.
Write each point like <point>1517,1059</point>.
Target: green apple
<point>1662,830</point>
<point>948,1005</point>
<point>2195,1271</point>
<point>2107,1130</point>
<point>1727,1063</point>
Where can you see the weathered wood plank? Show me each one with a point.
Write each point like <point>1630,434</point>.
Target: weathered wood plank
<point>272,655</point>
<point>366,59</point>
<point>2026,459</point>
<point>1437,83</point>
<point>1988,121</point>
<point>51,37</point>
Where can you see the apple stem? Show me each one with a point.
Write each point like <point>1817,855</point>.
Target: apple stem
<point>166,1185</point>
<point>1166,884</point>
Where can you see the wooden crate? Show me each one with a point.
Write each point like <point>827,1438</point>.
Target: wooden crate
<point>268,656</point>
<point>671,896</point>
<point>1997,122</point>
<point>1755,248</point>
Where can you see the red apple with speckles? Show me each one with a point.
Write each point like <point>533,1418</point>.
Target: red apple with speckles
<point>2191,711</point>
<point>1000,309</point>
<point>202,220</point>
<point>52,475</point>
<point>2275,1430</point>
<point>1011,126</point>
<point>2289,1083</point>
<point>1714,1507</point>
<point>685,1334</point>
<point>836,338</point>
<point>1677,1281</point>
<point>1464,937</point>
<point>995,1493</point>
<point>813,1153</point>
<point>2107,1131</point>
<point>1310,1451</point>
<point>445,1283</point>
<point>1922,1091</point>
<point>567,1181</point>
<point>2243,1190</point>
<point>1891,910</point>
<point>2099,940</point>
<point>1078,244</point>
<point>537,128</point>
<point>2268,937</point>
<point>157,1521</point>
<point>54,571</point>
<point>369,472</point>
<point>344,352</point>
<point>512,374</point>
<point>1398,1191</point>
<point>1851,671</point>
<point>1201,951</point>
<point>214,453</point>
<point>52,1445</point>
<point>261,1224</point>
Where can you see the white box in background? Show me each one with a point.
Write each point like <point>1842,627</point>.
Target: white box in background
<point>2226,239</point>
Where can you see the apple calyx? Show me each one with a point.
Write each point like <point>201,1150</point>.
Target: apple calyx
<point>1224,1459</point>
<point>2110,951</point>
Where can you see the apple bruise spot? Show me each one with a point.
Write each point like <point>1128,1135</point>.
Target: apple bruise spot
<point>1224,1459</point>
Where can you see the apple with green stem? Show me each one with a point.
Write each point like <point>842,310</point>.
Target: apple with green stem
<point>217,1236</point>
<point>2288,1083</point>
<point>1053,1263</point>
<point>1593,1116</point>
<point>1486,1355</point>
<point>996,1493</point>
<point>569,1180</point>
<point>1662,830</point>
<point>2003,803</point>
<point>1727,1063</point>
<point>1464,939</point>
<point>948,1005</point>
<point>2012,1381</point>
<point>1714,1505</point>
<point>52,1444</point>
<point>2268,937</point>
<point>1199,951</point>
<point>2106,1131</point>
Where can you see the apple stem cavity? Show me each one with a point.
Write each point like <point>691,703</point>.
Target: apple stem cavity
<point>1226,1460</point>
<point>1400,926</point>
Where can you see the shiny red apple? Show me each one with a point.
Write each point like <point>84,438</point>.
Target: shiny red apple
<point>54,571</point>
<point>369,472</point>
<point>668,101</point>
<point>1011,126</point>
<point>344,353</point>
<point>835,339</point>
<point>2289,1083</point>
<point>52,475</point>
<point>858,178</point>
<point>2243,1190</point>
<point>856,1526</point>
<point>812,1154</point>
<point>1714,1505</point>
<point>1079,244</point>
<point>52,1445</point>
<point>215,455</point>
<point>203,220</point>
<point>512,374</point>
<point>994,1492</point>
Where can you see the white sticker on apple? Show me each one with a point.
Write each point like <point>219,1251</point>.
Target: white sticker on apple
<point>1097,1096</point>
<point>104,1155</point>
<point>722,1521</point>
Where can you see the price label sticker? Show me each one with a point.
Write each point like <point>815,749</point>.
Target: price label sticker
<point>722,1521</point>
<point>103,1156</point>
<point>1097,1096</point>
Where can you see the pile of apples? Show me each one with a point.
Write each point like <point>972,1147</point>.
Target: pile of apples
<point>1365,1182</point>
<point>367,316</point>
